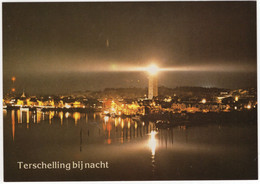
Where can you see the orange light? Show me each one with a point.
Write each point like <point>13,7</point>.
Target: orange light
<point>13,89</point>
<point>13,124</point>
<point>76,117</point>
<point>13,79</point>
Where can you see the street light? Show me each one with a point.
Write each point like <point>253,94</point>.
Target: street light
<point>13,79</point>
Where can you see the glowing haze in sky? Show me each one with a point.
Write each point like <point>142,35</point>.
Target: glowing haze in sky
<point>65,47</point>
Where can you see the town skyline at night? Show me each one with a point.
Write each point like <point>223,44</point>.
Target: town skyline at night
<point>130,91</point>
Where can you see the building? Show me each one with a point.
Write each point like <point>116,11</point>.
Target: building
<point>153,86</point>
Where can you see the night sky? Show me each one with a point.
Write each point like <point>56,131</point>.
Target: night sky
<point>64,47</point>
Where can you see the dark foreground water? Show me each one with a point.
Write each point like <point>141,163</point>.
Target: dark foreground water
<point>133,151</point>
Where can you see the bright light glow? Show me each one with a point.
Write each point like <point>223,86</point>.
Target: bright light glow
<point>19,116</point>
<point>116,122</point>
<point>106,118</point>
<point>13,123</point>
<point>13,79</point>
<point>113,110</point>
<point>152,69</point>
<point>61,117</point>
<point>152,142</point>
<point>118,67</point>
<point>67,114</point>
<point>203,101</point>
<point>135,125</point>
<point>27,117</point>
<point>236,98</point>
<point>248,106</point>
<point>67,106</point>
<point>76,116</point>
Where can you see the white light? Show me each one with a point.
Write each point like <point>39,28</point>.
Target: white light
<point>106,118</point>
<point>67,106</point>
<point>152,69</point>
<point>152,142</point>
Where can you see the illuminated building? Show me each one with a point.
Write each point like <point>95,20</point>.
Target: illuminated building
<point>153,81</point>
<point>152,86</point>
<point>203,101</point>
<point>77,104</point>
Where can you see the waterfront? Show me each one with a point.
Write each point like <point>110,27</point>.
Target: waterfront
<point>134,150</point>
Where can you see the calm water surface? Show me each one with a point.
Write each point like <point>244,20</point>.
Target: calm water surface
<point>134,150</point>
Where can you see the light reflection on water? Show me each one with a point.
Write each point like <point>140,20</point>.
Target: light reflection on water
<point>152,142</point>
<point>152,145</point>
<point>61,117</point>
<point>13,124</point>
<point>122,129</point>
<point>4,112</point>
<point>76,116</point>
<point>133,144</point>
